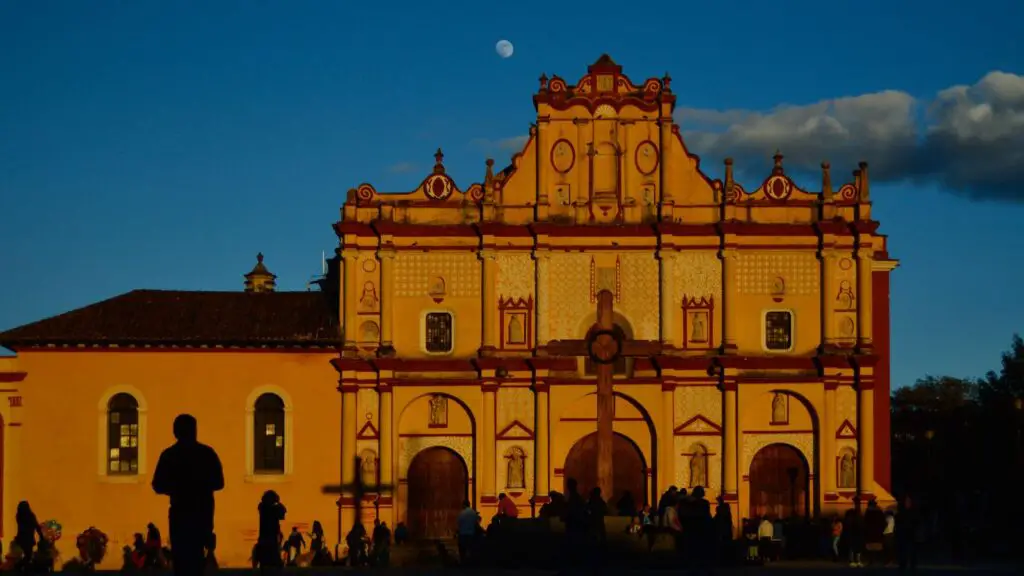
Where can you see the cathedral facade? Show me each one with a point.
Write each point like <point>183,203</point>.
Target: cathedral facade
<point>439,360</point>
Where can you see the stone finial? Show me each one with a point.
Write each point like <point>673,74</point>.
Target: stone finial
<point>489,176</point>
<point>865,183</point>
<point>777,158</point>
<point>826,182</point>
<point>543,82</point>
<point>439,162</point>
<point>729,182</point>
<point>666,82</point>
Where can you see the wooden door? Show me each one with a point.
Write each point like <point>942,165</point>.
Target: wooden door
<point>630,472</point>
<point>438,484</point>
<point>779,482</point>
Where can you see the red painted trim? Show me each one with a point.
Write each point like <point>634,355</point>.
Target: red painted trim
<point>551,155</point>
<point>432,435</point>
<point>368,432</point>
<point>8,377</point>
<point>880,325</point>
<point>681,429</point>
<point>778,431</point>
<point>184,347</point>
<point>587,419</point>
<point>657,157</point>
<point>523,307</point>
<point>506,433</point>
<point>694,303</point>
<point>14,424</point>
<point>846,431</point>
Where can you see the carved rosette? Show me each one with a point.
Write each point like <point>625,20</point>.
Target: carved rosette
<point>410,446</point>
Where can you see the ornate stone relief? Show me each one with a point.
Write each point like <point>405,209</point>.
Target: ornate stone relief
<point>752,443</point>
<point>846,406</point>
<point>515,404</point>
<point>504,448</point>
<point>416,274</point>
<point>640,293</point>
<point>367,404</point>
<point>693,400</point>
<point>409,446</point>
<point>569,287</point>
<point>698,273</point>
<point>759,272</point>
<point>515,275</point>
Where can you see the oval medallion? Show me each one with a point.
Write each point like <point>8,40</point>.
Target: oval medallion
<point>563,156</point>
<point>647,157</point>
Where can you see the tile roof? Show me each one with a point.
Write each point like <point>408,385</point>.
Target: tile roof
<point>183,318</point>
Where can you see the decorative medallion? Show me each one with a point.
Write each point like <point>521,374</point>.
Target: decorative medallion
<point>845,264</point>
<point>369,266</point>
<point>438,187</point>
<point>563,156</point>
<point>778,288</point>
<point>604,346</point>
<point>778,187</point>
<point>647,157</point>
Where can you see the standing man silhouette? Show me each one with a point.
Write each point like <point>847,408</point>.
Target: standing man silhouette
<point>189,472</point>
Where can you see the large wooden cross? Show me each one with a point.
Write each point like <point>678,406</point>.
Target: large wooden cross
<point>604,346</point>
<point>358,490</point>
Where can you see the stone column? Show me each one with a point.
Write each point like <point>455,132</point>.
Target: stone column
<point>730,288</point>
<point>864,266</point>
<point>542,471</point>
<point>668,297</point>
<point>543,155</point>
<point>348,451</point>
<point>385,461</point>
<point>490,303</point>
<point>666,431</point>
<point>488,466</point>
<point>665,137</point>
<point>543,333</point>
<point>349,311</point>
<point>865,439</point>
<point>730,453</point>
<point>828,298</point>
<point>387,290</point>
<point>828,441</point>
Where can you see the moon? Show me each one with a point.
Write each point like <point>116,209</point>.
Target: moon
<point>504,48</point>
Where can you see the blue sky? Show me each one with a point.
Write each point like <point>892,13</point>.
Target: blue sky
<point>162,144</point>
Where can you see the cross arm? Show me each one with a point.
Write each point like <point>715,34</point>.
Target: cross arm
<point>567,348</point>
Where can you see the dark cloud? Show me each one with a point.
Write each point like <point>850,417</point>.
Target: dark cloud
<point>966,139</point>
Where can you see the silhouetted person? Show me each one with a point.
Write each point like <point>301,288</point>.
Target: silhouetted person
<point>874,531</point>
<point>853,532</point>
<point>293,545</point>
<point>154,546</point>
<point>554,507</point>
<point>356,540</point>
<point>506,507</point>
<point>381,543</point>
<point>667,499</point>
<point>401,534</point>
<point>318,546</point>
<point>189,472</point>
<point>28,528</point>
<point>723,528</point>
<point>466,528</point>
<point>267,552</point>
<point>908,523</point>
<point>575,518</point>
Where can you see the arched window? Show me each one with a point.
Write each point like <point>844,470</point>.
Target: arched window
<point>123,434</point>
<point>268,435</point>
<point>619,368</point>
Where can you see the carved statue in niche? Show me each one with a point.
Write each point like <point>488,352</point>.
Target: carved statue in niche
<point>780,411</point>
<point>699,332</point>
<point>699,467</point>
<point>369,332</point>
<point>847,473</point>
<point>845,297</point>
<point>368,468</point>
<point>438,410</point>
<point>515,330</point>
<point>368,300</point>
<point>515,476</point>
<point>847,329</point>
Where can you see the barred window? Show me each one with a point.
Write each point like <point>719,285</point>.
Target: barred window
<point>778,330</point>
<point>268,437</point>
<point>123,435</point>
<point>439,332</point>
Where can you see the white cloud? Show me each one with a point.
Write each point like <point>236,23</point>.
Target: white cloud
<point>967,139</point>
<point>402,168</point>
<point>512,144</point>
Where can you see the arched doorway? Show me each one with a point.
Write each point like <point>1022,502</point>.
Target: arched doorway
<point>629,468</point>
<point>779,482</point>
<point>438,483</point>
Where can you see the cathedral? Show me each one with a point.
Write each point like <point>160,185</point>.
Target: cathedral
<point>471,342</point>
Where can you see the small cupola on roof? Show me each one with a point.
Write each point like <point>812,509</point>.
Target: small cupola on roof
<point>260,279</point>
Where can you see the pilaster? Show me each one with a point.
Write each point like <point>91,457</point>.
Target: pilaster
<point>348,452</point>
<point>488,466</point>
<point>385,435</point>
<point>828,443</point>
<point>730,452</point>
<point>828,298</point>
<point>350,257</point>
<point>865,439</point>
<point>490,303</point>
<point>864,301</point>
<point>667,263</point>
<point>543,260</point>
<point>666,430</point>
<point>730,283</point>
<point>543,170</point>
<point>542,446</point>
<point>387,275</point>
